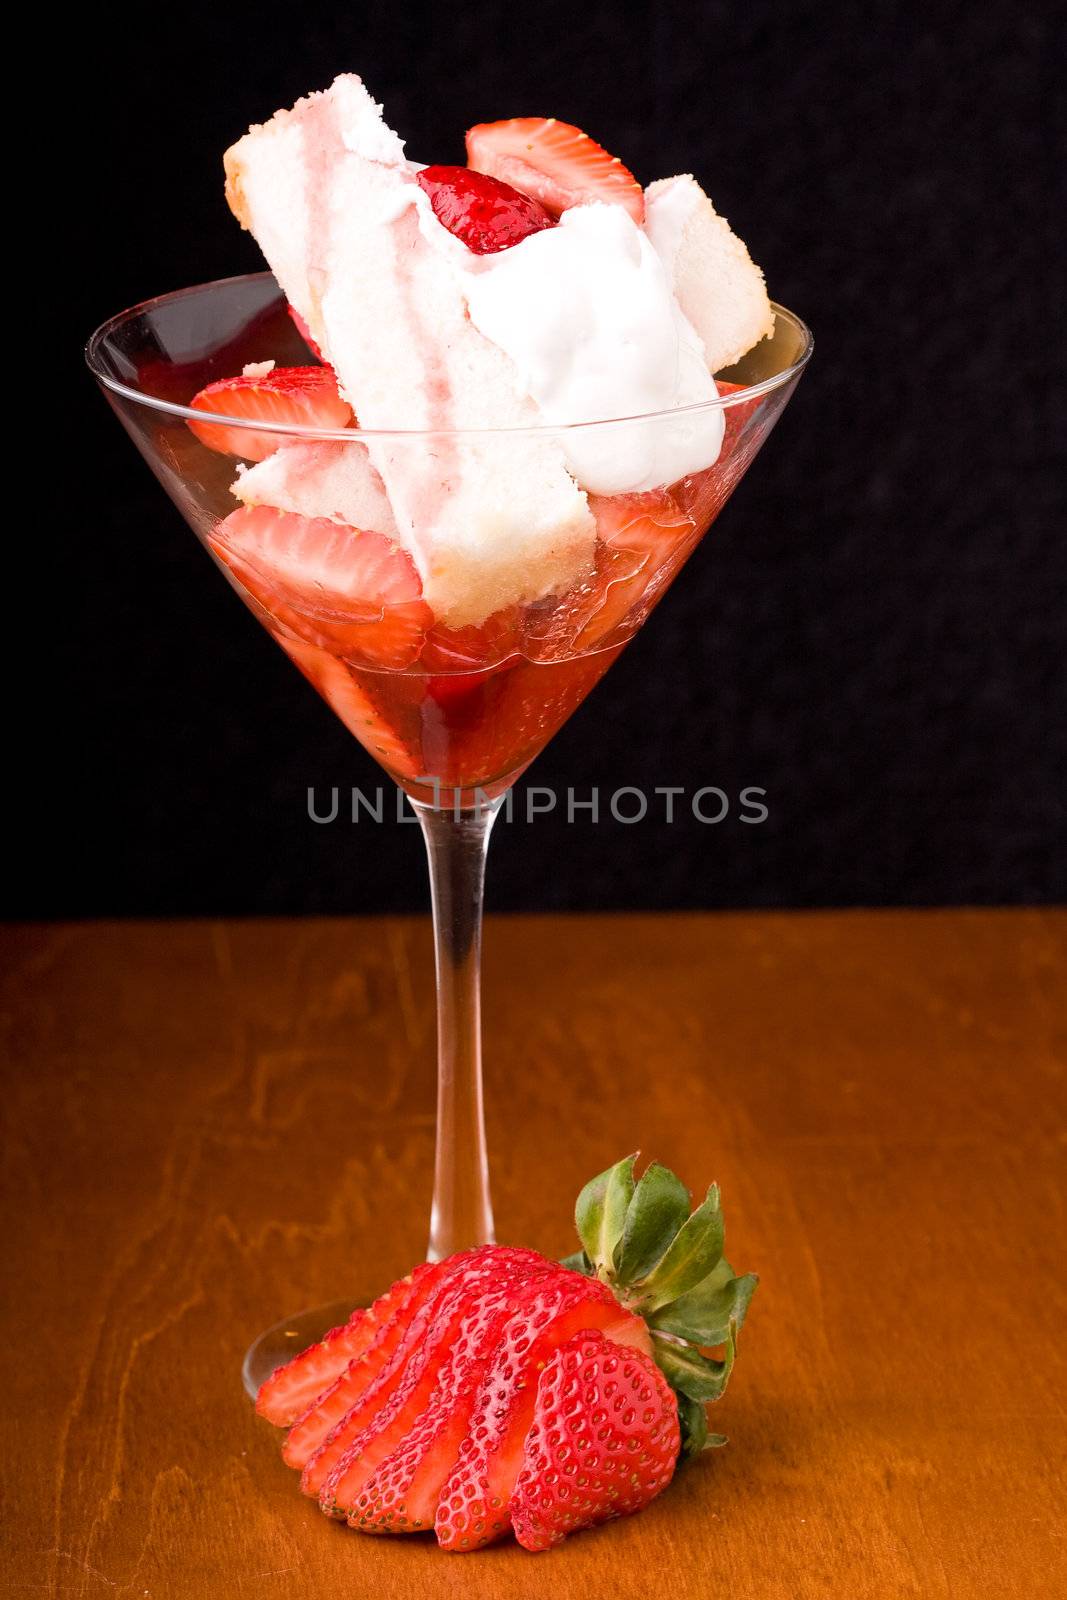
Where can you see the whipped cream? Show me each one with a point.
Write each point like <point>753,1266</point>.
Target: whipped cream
<point>586,312</point>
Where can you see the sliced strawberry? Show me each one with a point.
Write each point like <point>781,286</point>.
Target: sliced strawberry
<point>384,1416</point>
<point>290,1389</point>
<point>321,1437</point>
<point>354,705</point>
<point>554,163</point>
<point>463,691</point>
<point>704,494</point>
<point>292,397</point>
<point>350,590</point>
<point>604,1441</point>
<point>402,1494</point>
<point>477,650</point>
<point>459,660</point>
<point>504,1388</point>
<point>642,540</point>
<point>332,1406</point>
<point>476,729</point>
<point>652,524</point>
<point>746,406</point>
<point>472,1509</point>
<point>305,333</point>
<point>388,1411</point>
<point>486,214</point>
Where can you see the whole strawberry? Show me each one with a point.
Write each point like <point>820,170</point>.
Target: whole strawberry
<point>498,1390</point>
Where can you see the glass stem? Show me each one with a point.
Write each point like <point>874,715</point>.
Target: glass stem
<point>456,844</point>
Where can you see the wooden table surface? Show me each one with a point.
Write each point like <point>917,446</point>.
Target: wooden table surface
<point>211,1124</point>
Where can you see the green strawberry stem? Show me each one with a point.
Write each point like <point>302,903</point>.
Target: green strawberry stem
<point>667,1264</point>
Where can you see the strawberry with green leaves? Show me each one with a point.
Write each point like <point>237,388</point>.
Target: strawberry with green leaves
<point>669,1267</point>
<point>500,1391</point>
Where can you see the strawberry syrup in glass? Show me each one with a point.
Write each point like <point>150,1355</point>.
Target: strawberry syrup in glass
<point>455,739</point>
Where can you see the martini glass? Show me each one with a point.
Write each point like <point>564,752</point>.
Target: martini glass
<point>458,714</point>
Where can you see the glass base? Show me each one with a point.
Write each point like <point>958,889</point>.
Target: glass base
<point>287,1338</point>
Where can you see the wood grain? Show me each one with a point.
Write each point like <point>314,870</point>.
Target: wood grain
<point>212,1124</point>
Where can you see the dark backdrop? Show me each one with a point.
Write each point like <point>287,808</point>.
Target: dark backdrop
<point>874,632</point>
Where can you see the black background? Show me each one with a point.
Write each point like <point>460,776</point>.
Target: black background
<point>874,632</point>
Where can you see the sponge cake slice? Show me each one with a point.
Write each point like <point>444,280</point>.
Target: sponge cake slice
<point>327,192</point>
<point>717,284</point>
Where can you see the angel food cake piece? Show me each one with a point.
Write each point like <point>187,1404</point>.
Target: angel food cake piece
<point>320,479</point>
<point>716,284</point>
<point>443,299</point>
<point>354,245</point>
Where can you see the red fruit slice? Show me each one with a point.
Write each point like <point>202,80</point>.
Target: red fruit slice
<point>291,1388</point>
<point>293,397</point>
<point>469,670</point>
<point>653,524</point>
<point>604,1441</point>
<point>390,1408</point>
<point>473,1503</point>
<point>329,1409</point>
<point>705,493</point>
<point>347,589</point>
<point>402,1494</point>
<point>322,1436</point>
<point>553,162</point>
<point>356,708</point>
<point>474,650</point>
<point>460,660</point>
<point>485,213</point>
<point>642,541</point>
<point>305,332</point>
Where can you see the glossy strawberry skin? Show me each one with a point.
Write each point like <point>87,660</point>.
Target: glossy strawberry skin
<point>487,215</point>
<point>383,1412</point>
<point>403,1493</point>
<point>604,1441</point>
<point>473,1503</point>
<point>322,1438</point>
